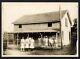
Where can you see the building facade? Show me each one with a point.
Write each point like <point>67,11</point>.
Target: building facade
<point>56,24</point>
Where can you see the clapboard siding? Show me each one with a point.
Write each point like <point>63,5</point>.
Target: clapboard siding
<point>65,30</point>
<point>43,26</point>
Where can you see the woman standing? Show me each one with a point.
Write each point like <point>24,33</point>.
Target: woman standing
<point>27,44</point>
<point>51,42</point>
<point>46,41</point>
<point>39,42</point>
<point>31,44</point>
<point>22,44</point>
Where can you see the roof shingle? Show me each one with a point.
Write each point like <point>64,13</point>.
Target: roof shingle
<point>39,18</point>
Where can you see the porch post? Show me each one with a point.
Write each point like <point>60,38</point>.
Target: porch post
<point>56,36</point>
<point>17,39</point>
<point>56,39</point>
<point>61,40</point>
<point>7,39</point>
<point>14,38</point>
<point>28,35</point>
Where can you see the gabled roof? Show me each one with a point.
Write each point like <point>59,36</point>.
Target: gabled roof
<point>40,18</point>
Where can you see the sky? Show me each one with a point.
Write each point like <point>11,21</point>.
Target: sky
<point>11,11</point>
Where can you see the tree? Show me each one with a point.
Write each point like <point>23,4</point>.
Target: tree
<point>5,40</point>
<point>74,35</point>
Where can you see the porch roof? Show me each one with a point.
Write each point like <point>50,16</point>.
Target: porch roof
<point>35,31</point>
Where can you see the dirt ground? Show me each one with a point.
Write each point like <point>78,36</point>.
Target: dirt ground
<point>13,50</point>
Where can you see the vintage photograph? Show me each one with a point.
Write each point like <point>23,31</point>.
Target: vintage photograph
<point>40,29</point>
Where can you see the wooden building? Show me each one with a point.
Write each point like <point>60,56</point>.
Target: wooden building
<point>56,24</point>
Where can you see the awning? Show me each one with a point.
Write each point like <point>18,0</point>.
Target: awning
<point>36,31</point>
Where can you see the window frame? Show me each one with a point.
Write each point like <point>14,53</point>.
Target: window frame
<point>20,26</point>
<point>49,24</point>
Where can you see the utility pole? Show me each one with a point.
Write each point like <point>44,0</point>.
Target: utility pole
<point>60,25</point>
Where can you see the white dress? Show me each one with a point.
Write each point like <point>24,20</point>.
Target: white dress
<point>39,41</point>
<point>22,43</point>
<point>46,41</point>
<point>32,43</point>
<point>27,43</point>
<point>56,43</point>
<point>51,40</point>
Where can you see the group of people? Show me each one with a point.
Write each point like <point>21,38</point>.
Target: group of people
<point>27,43</point>
<point>47,42</point>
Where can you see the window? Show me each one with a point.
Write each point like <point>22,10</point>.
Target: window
<point>50,24</point>
<point>20,26</point>
<point>66,24</point>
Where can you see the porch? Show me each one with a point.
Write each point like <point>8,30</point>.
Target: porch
<point>41,35</point>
